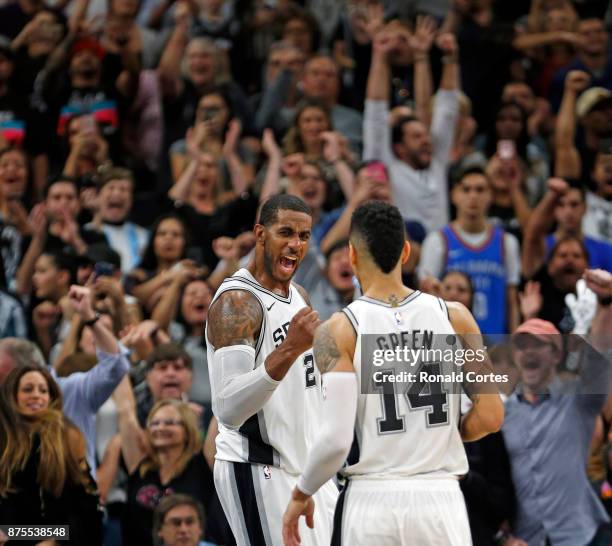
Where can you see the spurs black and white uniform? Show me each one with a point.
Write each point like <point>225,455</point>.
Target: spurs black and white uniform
<point>258,464</point>
<point>407,456</point>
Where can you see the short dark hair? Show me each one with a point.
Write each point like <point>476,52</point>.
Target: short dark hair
<point>62,179</point>
<point>338,245</point>
<point>381,227</point>
<point>468,171</point>
<point>64,262</point>
<point>110,173</point>
<point>170,502</point>
<point>397,131</point>
<point>575,184</point>
<point>269,211</point>
<point>168,351</point>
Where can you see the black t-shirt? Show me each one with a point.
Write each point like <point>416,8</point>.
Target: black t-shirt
<point>26,70</point>
<point>90,237</point>
<point>230,220</point>
<point>144,494</point>
<point>505,217</point>
<point>29,504</point>
<point>553,302</point>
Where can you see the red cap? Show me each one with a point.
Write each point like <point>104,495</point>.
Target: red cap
<point>90,44</point>
<point>542,329</point>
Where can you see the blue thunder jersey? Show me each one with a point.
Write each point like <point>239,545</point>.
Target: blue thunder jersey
<point>283,431</point>
<point>485,266</point>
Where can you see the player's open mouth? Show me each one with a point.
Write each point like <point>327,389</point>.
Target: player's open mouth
<point>288,263</point>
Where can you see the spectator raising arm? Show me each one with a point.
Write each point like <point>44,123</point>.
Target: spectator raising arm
<point>132,436</point>
<point>421,42</point>
<point>567,158</point>
<point>376,131</point>
<point>169,70</point>
<point>38,223</point>
<point>542,218</point>
<point>271,182</point>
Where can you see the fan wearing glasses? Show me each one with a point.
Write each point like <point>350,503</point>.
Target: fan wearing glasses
<point>179,520</point>
<point>164,458</point>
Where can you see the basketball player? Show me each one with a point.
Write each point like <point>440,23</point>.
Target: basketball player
<point>403,469</point>
<point>266,390</point>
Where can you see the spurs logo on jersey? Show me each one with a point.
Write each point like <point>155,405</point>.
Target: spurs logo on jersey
<point>403,434</point>
<point>281,433</point>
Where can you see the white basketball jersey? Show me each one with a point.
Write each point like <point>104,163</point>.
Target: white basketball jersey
<point>403,432</point>
<point>281,433</point>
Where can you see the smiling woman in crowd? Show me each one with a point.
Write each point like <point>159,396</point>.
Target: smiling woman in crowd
<point>44,477</point>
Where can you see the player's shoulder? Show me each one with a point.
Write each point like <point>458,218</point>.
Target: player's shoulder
<point>461,318</point>
<point>302,292</point>
<point>236,314</point>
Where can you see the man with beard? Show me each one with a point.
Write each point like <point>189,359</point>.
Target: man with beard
<point>548,427</point>
<point>417,159</point>
<point>265,387</point>
<point>544,295</point>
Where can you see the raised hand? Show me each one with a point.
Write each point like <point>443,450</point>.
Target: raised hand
<point>557,186</point>
<point>447,43</point>
<point>79,298</point>
<point>269,144</point>
<point>232,136</point>
<point>530,300</point>
<point>225,248</point>
<point>599,281</point>
<point>38,221</point>
<point>582,306</point>
<point>331,146</point>
<point>422,38</point>
<point>577,80</point>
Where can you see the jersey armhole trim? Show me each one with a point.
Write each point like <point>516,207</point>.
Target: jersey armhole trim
<point>262,330</point>
<point>444,307</point>
<point>352,319</point>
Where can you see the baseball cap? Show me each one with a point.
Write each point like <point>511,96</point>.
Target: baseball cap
<point>541,329</point>
<point>90,44</point>
<point>591,98</point>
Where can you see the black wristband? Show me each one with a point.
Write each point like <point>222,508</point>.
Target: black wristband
<point>92,321</point>
<point>605,301</point>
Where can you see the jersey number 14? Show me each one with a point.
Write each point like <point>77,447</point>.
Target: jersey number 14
<point>420,396</point>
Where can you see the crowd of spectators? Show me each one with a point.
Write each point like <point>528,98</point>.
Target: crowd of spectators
<point>138,139</point>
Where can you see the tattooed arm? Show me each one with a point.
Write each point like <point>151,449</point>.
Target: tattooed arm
<point>241,389</point>
<point>234,319</point>
<point>487,412</point>
<point>334,345</point>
